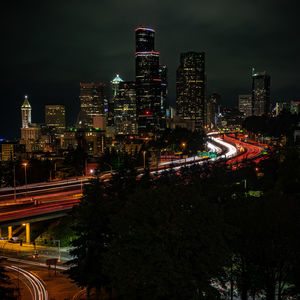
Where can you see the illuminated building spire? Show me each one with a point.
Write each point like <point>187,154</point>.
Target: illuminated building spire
<point>115,84</point>
<point>26,113</point>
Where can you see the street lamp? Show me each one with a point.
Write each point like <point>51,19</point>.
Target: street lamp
<point>144,156</point>
<point>183,144</point>
<point>25,170</point>
<point>15,190</point>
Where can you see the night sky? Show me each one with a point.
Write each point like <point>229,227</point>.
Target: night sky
<point>48,47</point>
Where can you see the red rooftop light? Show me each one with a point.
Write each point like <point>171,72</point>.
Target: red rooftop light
<point>144,28</point>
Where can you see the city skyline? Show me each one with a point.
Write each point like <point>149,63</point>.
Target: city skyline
<point>48,61</point>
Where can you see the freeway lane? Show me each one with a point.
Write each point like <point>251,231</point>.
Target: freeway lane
<point>18,214</point>
<point>251,151</point>
<point>43,189</point>
<point>41,198</point>
<point>62,201</point>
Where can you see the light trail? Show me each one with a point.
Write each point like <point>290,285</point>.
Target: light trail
<point>66,204</point>
<point>210,146</point>
<point>48,189</point>
<point>230,152</point>
<point>38,289</point>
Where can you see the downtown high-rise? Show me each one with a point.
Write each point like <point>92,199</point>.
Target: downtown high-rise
<point>148,83</point>
<point>111,104</point>
<point>190,88</point>
<point>261,83</point>
<point>91,103</point>
<point>125,109</point>
<point>26,113</point>
<point>55,117</point>
<point>245,105</point>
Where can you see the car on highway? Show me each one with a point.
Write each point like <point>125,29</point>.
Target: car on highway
<point>14,240</point>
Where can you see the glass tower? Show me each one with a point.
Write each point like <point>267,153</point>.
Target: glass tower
<point>148,82</point>
<point>91,102</point>
<point>125,109</point>
<point>190,87</point>
<point>261,83</point>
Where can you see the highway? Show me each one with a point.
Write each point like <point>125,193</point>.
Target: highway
<point>48,198</point>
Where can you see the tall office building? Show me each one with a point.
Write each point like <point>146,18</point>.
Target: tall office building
<point>148,82</point>
<point>55,117</point>
<point>190,87</point>
<point>163,76</point>
<point>125,109</point>
<point>115,89</point>
<point>91,103</point>
<point>26,113</point>
<point>245,105</point>
<point>212,110</point>
<point>261,93</point>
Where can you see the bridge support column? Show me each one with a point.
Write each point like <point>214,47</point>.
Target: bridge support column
<point>9,232</point>
<point>28,233</point>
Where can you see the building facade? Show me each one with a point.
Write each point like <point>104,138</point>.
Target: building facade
<point>26,113</point>
<point>115,89</point>
<point>190,88</point>
<point>55,117</point>
<point>125,120</point>
<point>261,83</point>
<point>148,82</point>
<point>11,150</point>
<point>91,103</point>
<point>211,111</point>
<point>163,76</point>
<point>245,105</point>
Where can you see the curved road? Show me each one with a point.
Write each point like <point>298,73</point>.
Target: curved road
<point>62,201</point>
<point>33,283</point>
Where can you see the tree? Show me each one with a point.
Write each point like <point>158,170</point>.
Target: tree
<point>93,236</point>
<point>92,228</point>
<point>167,245</point>
<point>180,140</point>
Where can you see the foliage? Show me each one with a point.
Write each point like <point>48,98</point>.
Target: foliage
<point>180,140</point>
<point>284,124</point>
<point>167,245</point>
<point>169,236</point>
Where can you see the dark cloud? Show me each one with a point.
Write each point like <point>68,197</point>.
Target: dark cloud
<point>49,46</point>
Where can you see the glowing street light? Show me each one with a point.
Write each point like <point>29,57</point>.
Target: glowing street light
<point>144,156</point>
<point>25,170</point>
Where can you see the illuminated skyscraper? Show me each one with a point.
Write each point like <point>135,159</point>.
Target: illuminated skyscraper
<point>212,108</point>
<point>115,88</point>
<point>190,87</point>
<point>91,103</point>
<point>148,82</point>
<point>26,113</point>
<point>125,109</point>
<point>245,105</point>
<point>55,116</point>
<point>163,76</point>
<point>261,83</point>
